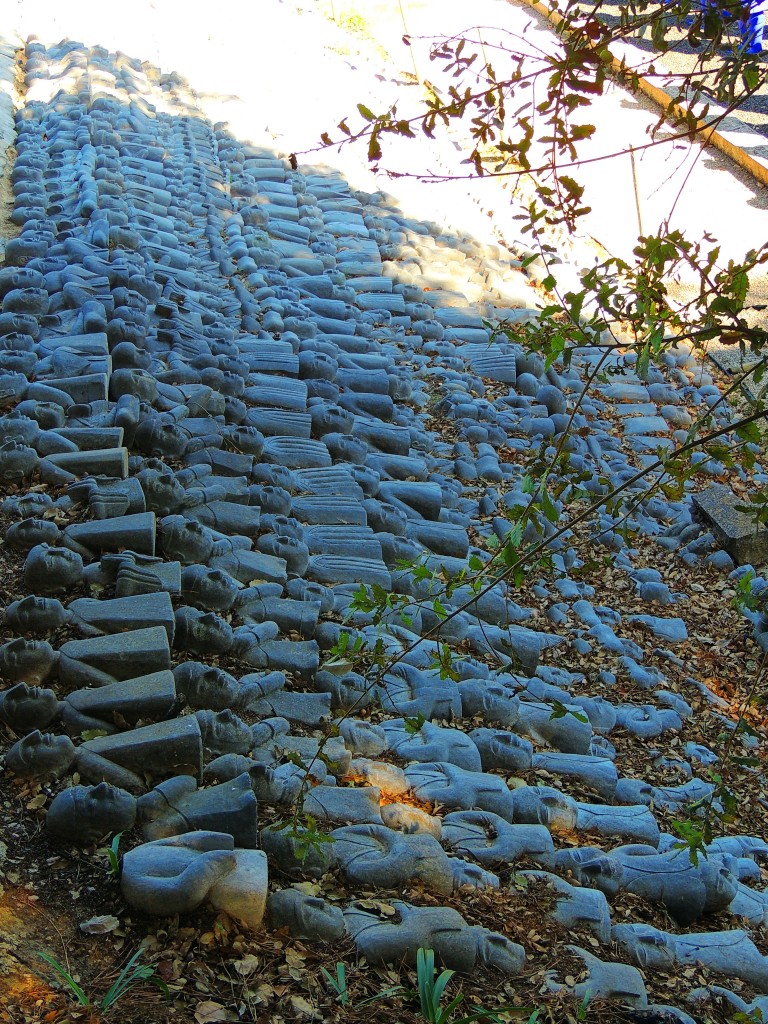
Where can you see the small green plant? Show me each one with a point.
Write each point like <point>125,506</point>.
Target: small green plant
<point>743,599</point>
<point>339,983</point>
<point>582,1008</point>
<point>339,986</point>
<point>310,837</point>
<point>132,974</point>
<point>413,724</point>
<point>111,852</point>
<point>431,990</point>
<point>753,1017</point>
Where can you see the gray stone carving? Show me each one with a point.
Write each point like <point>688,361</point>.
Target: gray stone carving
<point>489,839</point>
<point>178,874</point>
<point>458,946</point>
<point>731,954</point>
<point>85,814</point>
<point>376,855</point>
<point>177,805</point>
<point>305,917</point>
<point>617,982</point>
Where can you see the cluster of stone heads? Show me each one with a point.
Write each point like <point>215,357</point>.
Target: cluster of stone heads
<point>230,439</point>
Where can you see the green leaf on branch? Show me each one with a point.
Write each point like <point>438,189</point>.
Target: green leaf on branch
<point>559,710</point>
<point>413,724</point>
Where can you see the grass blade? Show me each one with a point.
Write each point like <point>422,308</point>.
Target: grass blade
<point>127,979</point>
<point>66,977</point>
<point>440,984</point>
<point>384,994</point>
<point>444,1016</point>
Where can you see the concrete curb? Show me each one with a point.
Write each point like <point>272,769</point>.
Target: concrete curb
<point>670,107</point>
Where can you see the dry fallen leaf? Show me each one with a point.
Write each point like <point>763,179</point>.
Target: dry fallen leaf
<point>247,965</point>
<point>294,957</point>
<point>300,1005</point>
<point>101,925</point>
<point>308,888</point>
<point>208,1012</point>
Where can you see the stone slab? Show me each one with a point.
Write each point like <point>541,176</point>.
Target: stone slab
<point>744,541</point>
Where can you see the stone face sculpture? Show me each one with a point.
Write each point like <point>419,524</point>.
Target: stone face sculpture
<point>202,632</point>
<point>84,814</point>
<point>280,785</point>
<point>178,874</point>
<point>37,615</point>
<point>496,704</point>
<point>206,686</point>
<point>376,855</point>
<point>52,570</point>
<point>25,707</point>
<point>223,732</point>
<point>28,661</point>
<point>364,738</point>
<point>544,805</point>
<point>28,533</point>
<point>123,759</point>
<point>212,590</point>
<point>500,748</point>
<point>41,756</point>
<point>192,543</point>
<point>305,917</point>
<point>461,947</point>
<point>731,953</point>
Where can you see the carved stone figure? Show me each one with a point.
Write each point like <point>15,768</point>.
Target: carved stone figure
<point>52,570</point>
<point>29,661</point>
<point>37,615</point>
<point>457,945</point>
<point>375,855</point>
<point>177,805</point>
<point>178,874</point>
<point>25,707</point>
<point>84,814</point>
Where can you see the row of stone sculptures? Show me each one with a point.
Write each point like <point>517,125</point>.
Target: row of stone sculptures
<point>221,371</point>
